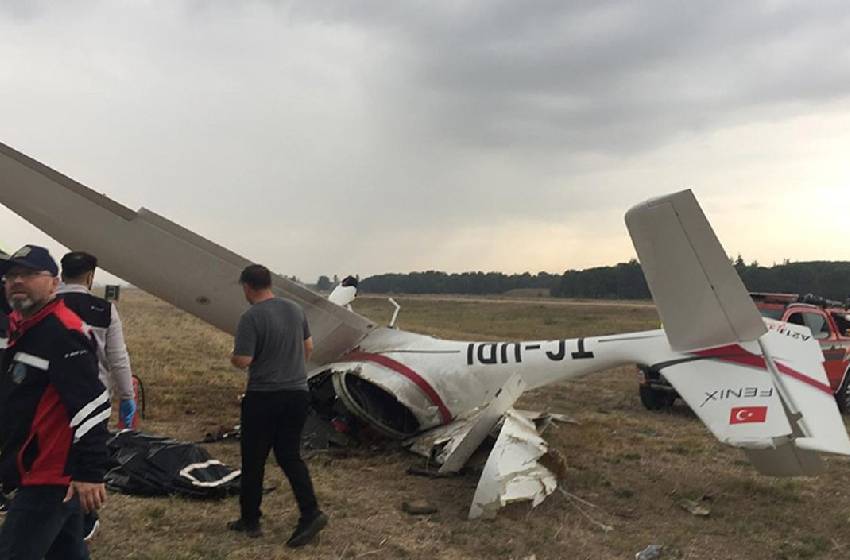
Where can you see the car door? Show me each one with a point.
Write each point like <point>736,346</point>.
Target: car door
<point>840,349</point>
<point>824,332</point>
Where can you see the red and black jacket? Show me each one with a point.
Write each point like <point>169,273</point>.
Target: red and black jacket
<point>4,318</point>
<point>53,407</point>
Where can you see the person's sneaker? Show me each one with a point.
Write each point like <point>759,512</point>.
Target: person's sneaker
<point>90,525</point>
<point>306,530</point>
<point>250,529</point>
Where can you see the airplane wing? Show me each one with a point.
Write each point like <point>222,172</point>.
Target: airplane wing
<point>160,256</point>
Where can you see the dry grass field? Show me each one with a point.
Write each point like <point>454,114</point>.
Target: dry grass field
<point>628,469</point>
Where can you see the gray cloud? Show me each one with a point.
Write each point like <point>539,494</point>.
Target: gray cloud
<point>283,128</point>
<point>615,76</point>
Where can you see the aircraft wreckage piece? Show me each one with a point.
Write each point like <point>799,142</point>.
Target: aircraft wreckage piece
<point>512,472</point>
<point>452,445</point>
<point>758,385</point>
<point>457,456</point>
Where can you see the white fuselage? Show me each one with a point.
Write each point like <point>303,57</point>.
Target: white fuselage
<point>439,380</point>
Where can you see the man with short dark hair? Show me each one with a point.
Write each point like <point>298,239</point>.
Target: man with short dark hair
<point>273,343</point>
<point>53,413</point>
<point>102,317</point>
<point>113,362</point>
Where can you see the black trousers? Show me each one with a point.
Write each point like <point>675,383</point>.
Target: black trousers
<point>274,420</point>
<point>39,525</point>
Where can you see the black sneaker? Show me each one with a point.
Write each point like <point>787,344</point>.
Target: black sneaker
<point>306,530</point>
<point>90,524</point>
<point>250,529</point>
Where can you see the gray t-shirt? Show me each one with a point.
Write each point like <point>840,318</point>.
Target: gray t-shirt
<point>273,332</point>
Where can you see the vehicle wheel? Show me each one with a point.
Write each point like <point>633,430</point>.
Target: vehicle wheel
<point>655,399</point>
<point>842,395</point>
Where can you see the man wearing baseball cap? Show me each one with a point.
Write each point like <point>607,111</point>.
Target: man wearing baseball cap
<point>48,375</point>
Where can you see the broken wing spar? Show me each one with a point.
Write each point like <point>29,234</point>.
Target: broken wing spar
<point>404,384</point>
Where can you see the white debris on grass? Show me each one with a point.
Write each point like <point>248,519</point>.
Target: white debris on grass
<point>651,552</point>
<point>512,472</point>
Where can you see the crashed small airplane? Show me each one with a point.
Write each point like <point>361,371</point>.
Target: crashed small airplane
<point>444,396</point>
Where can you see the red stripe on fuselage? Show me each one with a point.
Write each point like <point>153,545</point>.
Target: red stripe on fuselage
<point>417,379</point>
<point>736,354</point>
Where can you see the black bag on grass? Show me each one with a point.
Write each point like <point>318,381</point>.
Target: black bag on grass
<point>149,465</point>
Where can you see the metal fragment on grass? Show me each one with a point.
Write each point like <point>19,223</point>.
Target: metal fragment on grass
<point>651,552</point>
<point>695,508</point>
<point>512,472</point>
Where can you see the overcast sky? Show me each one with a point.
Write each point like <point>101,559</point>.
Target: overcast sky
<point>368,137</point>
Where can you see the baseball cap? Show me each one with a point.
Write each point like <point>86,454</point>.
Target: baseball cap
<point>32,257</point>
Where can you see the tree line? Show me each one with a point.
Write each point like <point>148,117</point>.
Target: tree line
<point>436,282</point>
<point>829,279</point>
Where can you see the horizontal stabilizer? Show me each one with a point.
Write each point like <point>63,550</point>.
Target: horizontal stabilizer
<point>700,298</point>
<point>785,460</point>
<point>737,401</point>
<point>777,405</point>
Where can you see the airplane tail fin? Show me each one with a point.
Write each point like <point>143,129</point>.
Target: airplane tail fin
<point>700,298</point>
<point>763,390</point>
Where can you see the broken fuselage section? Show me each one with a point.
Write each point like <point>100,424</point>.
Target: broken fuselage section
<point>402,383</point>
<point>442,398</point>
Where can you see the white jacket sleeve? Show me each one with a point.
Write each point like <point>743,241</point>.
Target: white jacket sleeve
<point>121,376</point>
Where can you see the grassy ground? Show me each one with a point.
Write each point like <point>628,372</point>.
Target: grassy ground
<point>628,470</point>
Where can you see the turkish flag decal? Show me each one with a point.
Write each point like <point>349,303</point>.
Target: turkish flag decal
<point>747,414</point>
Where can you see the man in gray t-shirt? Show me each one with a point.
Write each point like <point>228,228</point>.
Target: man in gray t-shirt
<point>273,332</point>
<point>272,342</point>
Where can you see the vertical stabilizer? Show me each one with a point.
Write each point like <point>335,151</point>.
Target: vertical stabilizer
<point>700,298</point>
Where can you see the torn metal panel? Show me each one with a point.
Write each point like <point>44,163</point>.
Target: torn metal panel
<point>512,472</point>
<point>454,443</point>
<point>542,420</point>
<point>432,443</point>
<point>459,450</point>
